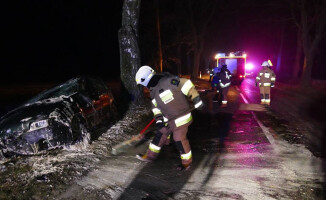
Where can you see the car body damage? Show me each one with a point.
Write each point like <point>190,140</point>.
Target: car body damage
<point>57,117</point>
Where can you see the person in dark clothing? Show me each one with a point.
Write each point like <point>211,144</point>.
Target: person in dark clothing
<point>216,84</point>
<point>224,77</point>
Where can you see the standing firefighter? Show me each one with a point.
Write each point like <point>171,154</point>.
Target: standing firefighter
<point>171,111</point>
<point>216,84</point>
<point>224,77</point>
<point>266,80</point>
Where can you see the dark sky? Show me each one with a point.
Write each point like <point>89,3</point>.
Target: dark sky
<point>57,40</point>
<point>46,41</point>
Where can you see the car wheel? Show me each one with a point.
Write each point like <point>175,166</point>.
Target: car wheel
<point>80,134</point>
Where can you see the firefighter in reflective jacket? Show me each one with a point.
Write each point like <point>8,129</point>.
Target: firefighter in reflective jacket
<point>266,79</point>
<point>171,110</point>
<point>224,77</point>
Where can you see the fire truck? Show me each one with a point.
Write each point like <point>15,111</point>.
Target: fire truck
<point>236,63</point>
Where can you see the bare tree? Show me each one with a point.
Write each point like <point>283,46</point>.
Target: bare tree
<point>200,15</point>
<point>298,56</point>
<point>310,17</point>
<point>189,25</point>
<point>129,49</point>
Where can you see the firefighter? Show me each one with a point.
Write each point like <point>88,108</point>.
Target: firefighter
<point>169,96</point>
<point>211,74</point>
<point>224,77</point>
<point>216,84</point>
<point>266,79</point>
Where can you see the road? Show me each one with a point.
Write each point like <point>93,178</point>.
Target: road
<point>237,154</point>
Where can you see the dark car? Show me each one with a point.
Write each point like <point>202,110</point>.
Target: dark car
<point>60,116</point>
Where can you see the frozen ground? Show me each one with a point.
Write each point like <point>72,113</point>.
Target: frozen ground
<point>37,177</point>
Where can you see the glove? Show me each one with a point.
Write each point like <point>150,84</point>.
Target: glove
<point>199,104</point>
<point>160,125</point>
<point>272,84</point>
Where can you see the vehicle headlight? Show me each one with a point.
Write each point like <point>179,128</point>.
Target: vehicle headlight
<point>38,125</point>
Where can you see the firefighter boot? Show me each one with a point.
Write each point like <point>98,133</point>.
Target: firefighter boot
<point>262,99</point>
<point>267,99</point>
<point>185,165</point>
<point>149,156</point>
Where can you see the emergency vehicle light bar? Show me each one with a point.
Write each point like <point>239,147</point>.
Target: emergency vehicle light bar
<point>216,57</point>
<point>231,55</point>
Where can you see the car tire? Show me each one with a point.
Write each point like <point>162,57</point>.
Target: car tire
<point>79,130</point>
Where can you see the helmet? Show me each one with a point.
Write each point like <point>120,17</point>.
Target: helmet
<point>216,70</point>
<point>267,63</point>
<point>144,75</point>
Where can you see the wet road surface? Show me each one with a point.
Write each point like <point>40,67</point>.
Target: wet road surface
<point>237,154</point>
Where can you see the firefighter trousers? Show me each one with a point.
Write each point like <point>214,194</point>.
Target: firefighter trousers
<point>224,93</point>
<point>179,136</point>
<point>265,94</point>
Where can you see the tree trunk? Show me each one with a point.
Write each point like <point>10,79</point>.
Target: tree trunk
<point>158,26</point>
<point>129,49</point>
<point>196,65</point>
<point>179,56</point>
<point>280,51</point>
<point>298,57</point>
<point>307,68</point>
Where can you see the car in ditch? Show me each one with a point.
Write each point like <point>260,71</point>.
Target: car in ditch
<point>61,116</point>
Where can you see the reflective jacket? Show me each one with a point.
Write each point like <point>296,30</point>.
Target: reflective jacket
<point>265,77</point>
<point>224,78</point>
<point>170,100</point>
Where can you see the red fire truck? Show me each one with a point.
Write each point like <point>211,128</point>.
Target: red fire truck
<point>236,63</point>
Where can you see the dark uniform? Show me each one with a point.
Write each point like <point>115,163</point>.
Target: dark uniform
<point>225,81</point>
<point>172,113</point>
<point>215,88</point>
<point>266,79</point>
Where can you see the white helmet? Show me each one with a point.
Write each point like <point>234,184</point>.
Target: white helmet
<point>267,63</point>
<point>144,75</point>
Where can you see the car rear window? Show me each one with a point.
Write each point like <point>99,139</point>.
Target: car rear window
<point>68,88</point>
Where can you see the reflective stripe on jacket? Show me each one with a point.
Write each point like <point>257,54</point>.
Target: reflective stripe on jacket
<point>265,77</point>
<point>170,99</point>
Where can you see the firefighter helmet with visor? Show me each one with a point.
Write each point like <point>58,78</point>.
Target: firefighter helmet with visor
<point>267,63</point>
<point>144,75</point>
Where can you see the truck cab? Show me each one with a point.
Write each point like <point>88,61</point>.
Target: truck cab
<point>235,62</point>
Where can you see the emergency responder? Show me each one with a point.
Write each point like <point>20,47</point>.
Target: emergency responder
<point>171,110</point>
<point>266,79</point>
<point>211,74</point>
<point>224,77</point>
<point>216,84</point>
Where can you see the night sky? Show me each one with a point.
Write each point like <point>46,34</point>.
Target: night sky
<point>51,41</point>
<point>57,40</point>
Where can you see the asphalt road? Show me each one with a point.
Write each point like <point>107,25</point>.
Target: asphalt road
<point>238,153</point>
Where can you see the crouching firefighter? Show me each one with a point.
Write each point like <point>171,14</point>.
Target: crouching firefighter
<point>266,79</point>
<point>171,110</point>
